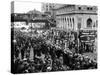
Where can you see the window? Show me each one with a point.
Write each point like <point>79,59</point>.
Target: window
<point>65,19</point>
<point>87,8</point>
<point>73,21</point>
<point>96,23</point>
<point>79,8</point>
<point>50,7</point>
<point>90,8</point>
<point>89,22</point>
<point>68,21</point>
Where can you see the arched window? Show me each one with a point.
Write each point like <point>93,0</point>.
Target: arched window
<point>79,8</point>
<point>68,21</point>
<point>73,21</point>
<point>65,18</point>
<point>89,22</point>
<point>94,25</point>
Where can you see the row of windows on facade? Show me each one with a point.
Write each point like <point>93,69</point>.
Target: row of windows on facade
<point>71,9</point>
<point>88,8</point>
<point>49,7</point>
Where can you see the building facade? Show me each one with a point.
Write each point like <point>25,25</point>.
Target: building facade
<point>76,17</point>
<point>47,7</point>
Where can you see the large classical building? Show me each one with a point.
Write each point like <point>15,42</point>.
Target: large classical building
<point>76,17</point>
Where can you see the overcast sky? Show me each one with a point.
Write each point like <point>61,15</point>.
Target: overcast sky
<point>23,7</point>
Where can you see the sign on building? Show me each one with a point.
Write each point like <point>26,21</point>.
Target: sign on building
<point>87,35</point>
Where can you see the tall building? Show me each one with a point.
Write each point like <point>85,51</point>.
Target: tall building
<point>76,17</point>
<point>47,7</point>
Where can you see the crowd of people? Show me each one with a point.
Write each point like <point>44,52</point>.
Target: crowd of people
<point>52,51</point>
